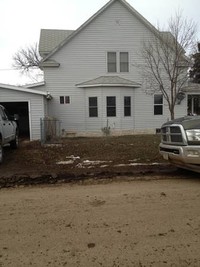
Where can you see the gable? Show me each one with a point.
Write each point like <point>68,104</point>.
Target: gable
<point>73,34</point>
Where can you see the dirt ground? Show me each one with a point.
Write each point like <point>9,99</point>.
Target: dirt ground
<point>81,155</point>
<point>124,223</point>
<point>80,158</point>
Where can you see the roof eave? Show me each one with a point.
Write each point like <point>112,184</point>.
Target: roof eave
<point>107,85</point>
<point>22,89</point>
<point>47,64</point>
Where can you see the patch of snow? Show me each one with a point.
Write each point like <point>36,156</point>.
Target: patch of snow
<point>137,164</point>
<point>73,157</point>
<point>65,162</point>
<point>104,166</point>
<point>91,163</point>
<point>80,165</point>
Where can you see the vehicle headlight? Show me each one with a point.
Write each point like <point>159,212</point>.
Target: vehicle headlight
<point>193,136</point>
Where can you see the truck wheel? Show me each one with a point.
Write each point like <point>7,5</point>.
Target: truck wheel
<point>15,143</point>
<point>1,152</point>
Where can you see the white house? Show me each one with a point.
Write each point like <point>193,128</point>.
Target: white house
<point>92,76</point>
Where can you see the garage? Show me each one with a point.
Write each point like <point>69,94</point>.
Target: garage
<point>21,111</point>
<point>28,104</point>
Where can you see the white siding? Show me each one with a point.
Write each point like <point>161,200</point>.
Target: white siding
<point>84,58</point>
<point>115,123</point>
<point>36,107</point>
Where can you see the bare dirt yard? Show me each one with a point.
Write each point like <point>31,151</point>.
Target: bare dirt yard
<point>121,223</point>
<point>80,158</point>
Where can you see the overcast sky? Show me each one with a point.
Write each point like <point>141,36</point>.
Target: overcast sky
<point>21,21</point>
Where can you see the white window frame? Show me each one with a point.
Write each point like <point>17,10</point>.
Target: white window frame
<point>127,106</point>
<point>111,107</point>
<point>64,100</point>
<point>158,104</point>
<point>118,62</point>
<point>92,107</point>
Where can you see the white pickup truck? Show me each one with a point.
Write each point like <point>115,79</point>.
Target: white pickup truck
<point>8,132</point>
<point>180,142</point>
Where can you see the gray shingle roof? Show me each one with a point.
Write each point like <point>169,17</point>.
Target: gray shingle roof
<point>49,39</point>
<point>109,81</point>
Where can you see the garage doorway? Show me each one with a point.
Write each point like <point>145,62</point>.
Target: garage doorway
<point>22,110</point>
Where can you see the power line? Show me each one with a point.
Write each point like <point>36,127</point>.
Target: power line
<point>8,69</point>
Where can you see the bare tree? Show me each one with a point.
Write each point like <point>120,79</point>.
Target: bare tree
<point>27,60</point>
<point>165,62</point>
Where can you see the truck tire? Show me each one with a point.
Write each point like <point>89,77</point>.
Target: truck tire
<point>15,143</point>
<point>1,152</point>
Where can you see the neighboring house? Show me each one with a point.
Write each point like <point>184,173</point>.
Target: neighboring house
<point>93,78</point>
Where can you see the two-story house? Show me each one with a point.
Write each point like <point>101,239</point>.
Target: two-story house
<point>93,78</point>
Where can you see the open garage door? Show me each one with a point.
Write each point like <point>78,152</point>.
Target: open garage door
<point>22,110</point>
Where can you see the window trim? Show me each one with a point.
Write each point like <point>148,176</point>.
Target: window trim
<point>111,107</point>
<point>127,106</point>
<point>118,62</point>
<point>111,62</point>
<point>93,107</point>
<point>158,105</point>
<point>65,100</point>
<point>123,62</point>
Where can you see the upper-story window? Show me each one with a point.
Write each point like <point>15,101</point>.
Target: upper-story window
<point>112,61</point>
<point>117,62</point>
<point>158,104</point>
<point>124,64</point>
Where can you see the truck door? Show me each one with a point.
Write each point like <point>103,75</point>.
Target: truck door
<point>7,126</point>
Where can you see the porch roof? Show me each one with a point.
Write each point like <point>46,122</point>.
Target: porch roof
<point>109,81</point>
<point>192,88</point>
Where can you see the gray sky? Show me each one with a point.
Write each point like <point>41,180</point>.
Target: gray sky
<point>21,21</point>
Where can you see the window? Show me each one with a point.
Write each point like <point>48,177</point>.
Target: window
<point>64,100</point>
<point>124,66</point>
<point>118,62</point>
<point>67,100</point>
<point>193,104</point>
<point>158,104</point>
<point>112,61</point>
<point>127,106</point>
<point>93,107</point>
<point>111,106</point>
